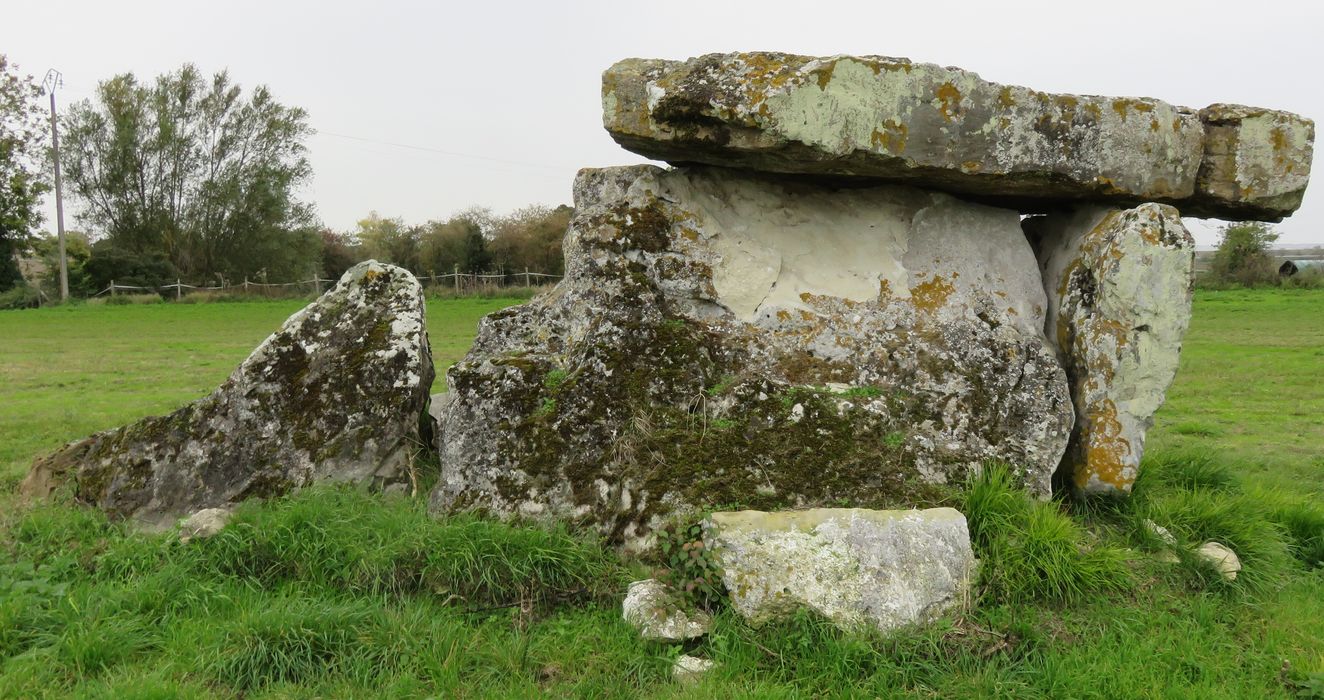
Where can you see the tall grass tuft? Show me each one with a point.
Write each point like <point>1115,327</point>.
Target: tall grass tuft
<point>343,539</point>
<point>1031,550</point>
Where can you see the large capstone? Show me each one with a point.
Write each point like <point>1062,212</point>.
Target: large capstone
<point>947,128</point>
<point>859,568</point>
<point>721,337</point>
<point>1119,300</point>
<point>339,393</point>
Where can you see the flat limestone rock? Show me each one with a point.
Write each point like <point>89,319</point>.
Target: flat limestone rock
<point>949,129</point>
<point>859,568</point>
<point>337,394</point>
<point>1119,285</point>
<point>722,337</point>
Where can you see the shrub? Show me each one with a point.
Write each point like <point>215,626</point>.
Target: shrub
<point>1243,255</point>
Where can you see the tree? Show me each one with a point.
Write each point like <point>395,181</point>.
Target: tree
<point>530,239</point>
<point>1243,254</point>
<point>196,171</point>
<point>22,182</point>
<point>339,253</point>
<point>389,240</point>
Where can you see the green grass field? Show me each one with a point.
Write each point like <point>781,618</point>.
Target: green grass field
<point>333,593</point>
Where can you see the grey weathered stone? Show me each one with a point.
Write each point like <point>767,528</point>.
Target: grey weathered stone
<point>690,355</point>
<point>859,568</point>
<point>657,612</point>
<point>1119,285</point>
<point>1256,163</point>
<point>1222,558</point>
<point>690,669</point>
<point>203,524</point>
<point>337,394</point>
<point>947,128</point>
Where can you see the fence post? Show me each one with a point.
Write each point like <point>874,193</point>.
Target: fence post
<point>112,287</point>
<point>457,279</point>
<point>317,284</point>
<point>245,284</point>
<point>526,278</point>
<point>179,290</point>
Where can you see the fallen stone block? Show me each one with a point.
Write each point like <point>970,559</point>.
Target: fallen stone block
<point>859,568</point>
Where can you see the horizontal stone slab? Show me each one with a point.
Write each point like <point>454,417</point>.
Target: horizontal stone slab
<point>859,568</point>
<point>947,128</point>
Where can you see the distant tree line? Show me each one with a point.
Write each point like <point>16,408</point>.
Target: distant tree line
<point>472,241</point>
<point>192,177</point>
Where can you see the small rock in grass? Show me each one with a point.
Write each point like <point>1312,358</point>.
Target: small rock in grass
<point>203,524</point>
<point>690,669</point>
<point>1160,532</point>
<point>1223,559</point>
<point>654,609</point>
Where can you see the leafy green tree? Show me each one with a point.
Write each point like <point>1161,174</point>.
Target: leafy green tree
<point>389,240</point>
<point>22,182</point>
<point>194,170</point>
<point>1243,254</point>
<point>339,253</point>
<point>78,250</point>
<point>530,239</point>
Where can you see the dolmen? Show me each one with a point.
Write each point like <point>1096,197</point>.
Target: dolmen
<point>860,280</point>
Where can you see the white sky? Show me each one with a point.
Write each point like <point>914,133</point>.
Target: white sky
<point>516,84</point>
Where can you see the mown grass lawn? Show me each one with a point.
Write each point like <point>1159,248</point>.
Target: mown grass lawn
<point>333,593</point>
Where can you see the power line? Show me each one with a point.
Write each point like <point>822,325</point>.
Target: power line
<point>442,151</point>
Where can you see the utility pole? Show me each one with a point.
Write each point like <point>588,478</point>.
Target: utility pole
<point>55,80</point>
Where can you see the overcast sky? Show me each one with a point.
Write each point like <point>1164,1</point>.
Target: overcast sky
<point>497,103</point>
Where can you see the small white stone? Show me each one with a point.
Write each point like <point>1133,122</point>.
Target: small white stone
<point>1223,559</point>
<point>1160,532</point>
<point>654,609</point>
<point>690,669</point>
<point>797,413</point>
<point>203,524</point>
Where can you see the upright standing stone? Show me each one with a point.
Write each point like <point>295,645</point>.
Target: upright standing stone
<point>724,337</point>
<point>339,393</point>
<point>1119,300</point>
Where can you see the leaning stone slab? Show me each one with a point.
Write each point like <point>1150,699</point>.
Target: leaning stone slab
<point>947,128</point>
<point>722,337</point>
<point>1119,286</point>
<point>337,394</point>
<point>859,568</point>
